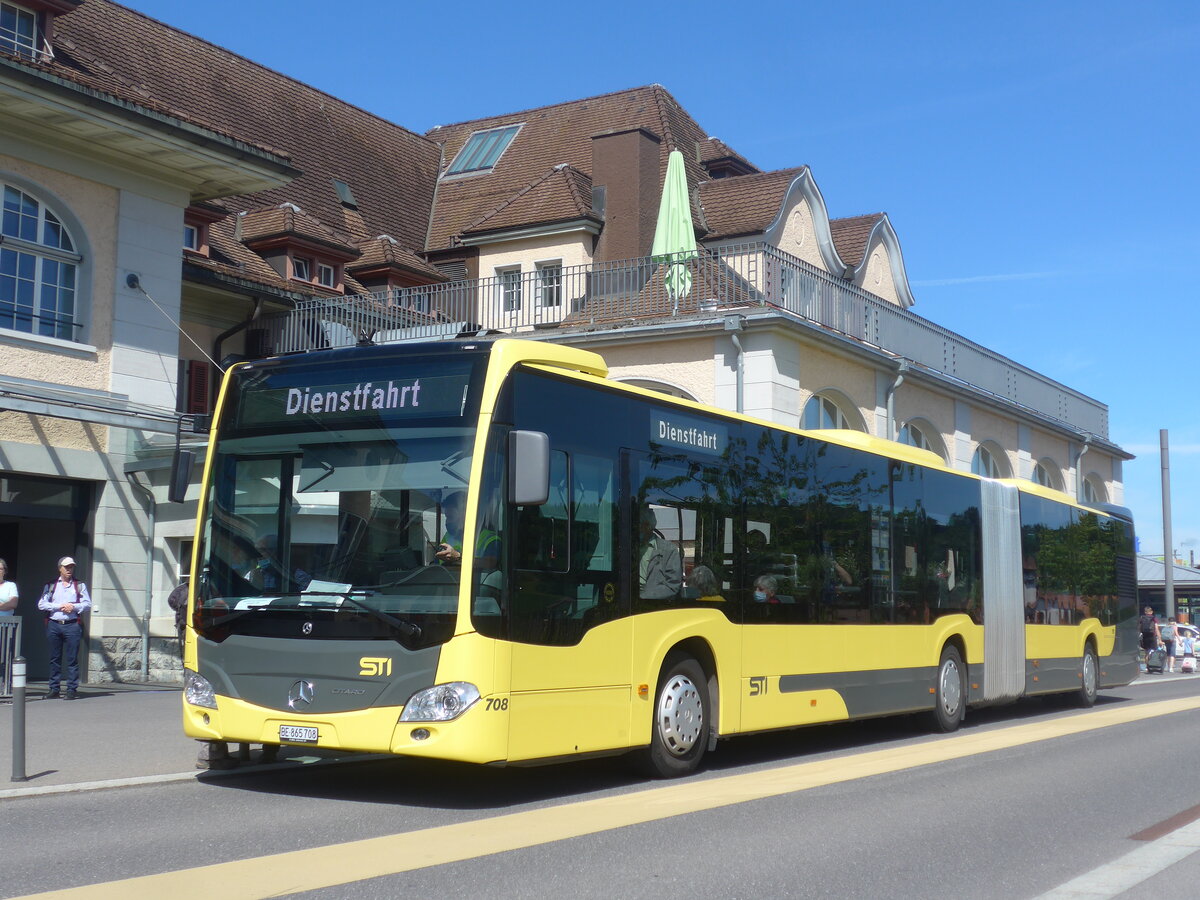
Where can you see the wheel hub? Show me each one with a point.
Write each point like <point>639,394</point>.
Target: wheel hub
<point>951,688</point>
<point>680,715</point>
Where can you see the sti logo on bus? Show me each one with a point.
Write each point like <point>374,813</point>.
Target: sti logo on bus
<point>373,666</point>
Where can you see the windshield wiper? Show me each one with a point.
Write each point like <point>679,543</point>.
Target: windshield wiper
<point>408,629</point>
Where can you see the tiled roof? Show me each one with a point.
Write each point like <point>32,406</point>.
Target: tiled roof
<point>715,149</point>
<point>551,136</point>
<point>287,219</point>
<point>230,258</point>
<point>383,251</point>
<point>391,170</point>
<point>562,194</point>
<point>745,204</point>
<point>850,236</point>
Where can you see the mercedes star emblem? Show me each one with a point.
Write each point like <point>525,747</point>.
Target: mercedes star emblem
<point>301,695</point>
<point>306,628</point>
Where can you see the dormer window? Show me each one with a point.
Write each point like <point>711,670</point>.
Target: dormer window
<point>312,270</point>
<point>482,150</point>
<point>19,31</point>
<point>191,238</point>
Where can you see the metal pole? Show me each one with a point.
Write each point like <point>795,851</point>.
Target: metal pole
<point>1168,544</point>
<point>18,748</point>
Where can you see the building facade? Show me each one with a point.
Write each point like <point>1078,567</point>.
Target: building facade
<point>170,206</point>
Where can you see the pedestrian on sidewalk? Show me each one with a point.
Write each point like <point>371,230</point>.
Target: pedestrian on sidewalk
<point>178,600</point>
<point>1167,634</point>
<point>8,592</point>
<point>64,600</point>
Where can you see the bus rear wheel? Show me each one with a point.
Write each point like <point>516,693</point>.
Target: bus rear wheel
<point>679,735</point>
<point>1089,675</point>
<point>950,701</point>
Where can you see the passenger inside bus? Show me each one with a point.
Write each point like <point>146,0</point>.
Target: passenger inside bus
<point>703,583</point>
<point>660,567</point>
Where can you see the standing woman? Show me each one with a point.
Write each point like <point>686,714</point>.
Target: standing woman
<point>8,591</point>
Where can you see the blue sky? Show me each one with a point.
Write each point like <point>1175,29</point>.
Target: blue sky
<point>1037,159</point>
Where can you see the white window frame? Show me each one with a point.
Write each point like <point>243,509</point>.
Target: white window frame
<point>508,282</point>
<point>1044,472</point>
<point>302,268</point>
<point>985,464</point>
<point>31,261</point>
<point>830,414</point>
<point>324,269</point>
<point>9,39</point>
<point>191,237</point>
<point>549,292</point>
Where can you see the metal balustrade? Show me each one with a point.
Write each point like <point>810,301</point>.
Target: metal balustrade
<point>608,294</point>
<point>10,649</point>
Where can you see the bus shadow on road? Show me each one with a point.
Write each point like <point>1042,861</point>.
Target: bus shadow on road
<point>434,784</point>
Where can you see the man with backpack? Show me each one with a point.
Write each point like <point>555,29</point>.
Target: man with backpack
<point>64,600</point>
<point>1148,628</point>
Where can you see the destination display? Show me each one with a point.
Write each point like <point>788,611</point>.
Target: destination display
<point>304,399</point>
<point>690,433</point>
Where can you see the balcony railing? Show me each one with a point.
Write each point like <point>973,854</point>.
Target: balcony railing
<point>608,294</point>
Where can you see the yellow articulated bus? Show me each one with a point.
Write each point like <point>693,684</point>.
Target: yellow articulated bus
<point>489,552</point>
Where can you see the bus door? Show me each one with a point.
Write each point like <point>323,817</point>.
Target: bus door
<point>568,622</point>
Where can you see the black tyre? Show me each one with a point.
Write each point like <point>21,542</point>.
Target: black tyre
<point>950,693</point>
<point>679,734</point>
<point>1089,674</point>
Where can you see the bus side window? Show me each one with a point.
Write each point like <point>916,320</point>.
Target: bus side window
<point>543,531</point>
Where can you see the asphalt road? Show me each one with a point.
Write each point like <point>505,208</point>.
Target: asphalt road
<point>1018,803</point>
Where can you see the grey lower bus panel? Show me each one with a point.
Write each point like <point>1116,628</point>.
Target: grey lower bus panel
<point>263,671</point>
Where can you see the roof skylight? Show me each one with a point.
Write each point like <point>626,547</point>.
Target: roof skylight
<point>482,150</point>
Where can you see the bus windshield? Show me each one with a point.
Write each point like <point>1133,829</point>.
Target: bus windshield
<point>334,529</point>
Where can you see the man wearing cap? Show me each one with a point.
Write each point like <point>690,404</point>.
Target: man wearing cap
<point>64,600</point>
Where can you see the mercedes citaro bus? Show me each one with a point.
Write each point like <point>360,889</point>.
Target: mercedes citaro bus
<point>490,552</point>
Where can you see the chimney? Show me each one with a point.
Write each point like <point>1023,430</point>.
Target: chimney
<point>626,164</point>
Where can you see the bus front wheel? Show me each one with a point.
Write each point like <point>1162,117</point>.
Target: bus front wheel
<point>950,703</point>
<point>679,735</point>
<point>1089,678</point>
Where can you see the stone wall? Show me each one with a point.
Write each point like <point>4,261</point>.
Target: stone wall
<point>119,660</point>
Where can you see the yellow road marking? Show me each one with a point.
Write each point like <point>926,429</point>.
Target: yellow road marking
<point>329,866</point>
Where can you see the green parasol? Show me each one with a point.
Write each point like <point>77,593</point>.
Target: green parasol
<point>674,238</point>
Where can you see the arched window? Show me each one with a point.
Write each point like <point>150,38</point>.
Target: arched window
<point>39,267</point>
<point>661,387</point>
<point>1046,474</point>
<point>986,462</point>
<point>922,435</point>
<point>1093,490</point>
<point>823,411</point>
<point>914,435</point>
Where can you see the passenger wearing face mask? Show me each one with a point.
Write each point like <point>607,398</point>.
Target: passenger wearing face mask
<point>765,589</point>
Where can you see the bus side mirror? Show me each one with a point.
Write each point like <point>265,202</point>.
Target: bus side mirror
<point>181,475</point>
<point>528,468</point>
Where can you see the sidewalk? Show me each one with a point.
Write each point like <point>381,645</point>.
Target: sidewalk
<point>112,735</point>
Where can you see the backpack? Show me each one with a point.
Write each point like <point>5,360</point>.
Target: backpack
<point>1146,624</point>
<point>48,589</point>
<point>1167,633</point>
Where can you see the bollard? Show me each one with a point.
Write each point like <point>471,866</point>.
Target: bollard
<point>18,749</point>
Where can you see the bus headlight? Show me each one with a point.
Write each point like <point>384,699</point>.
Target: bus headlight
<point>440,703</point>
<point>197,690</point>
